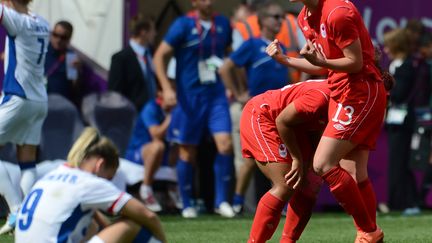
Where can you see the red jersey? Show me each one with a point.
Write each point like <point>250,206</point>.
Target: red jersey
<point>332,27</point>
<point>258,133</point>
<point>311,100</point>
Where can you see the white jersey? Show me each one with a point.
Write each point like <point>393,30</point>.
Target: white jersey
<point>26,46</point>
<point>61,204</point>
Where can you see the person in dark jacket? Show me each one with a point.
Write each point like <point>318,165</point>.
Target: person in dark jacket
<point>131,72</point>
<point>411,90</point>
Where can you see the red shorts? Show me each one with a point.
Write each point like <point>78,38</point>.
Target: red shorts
<point>260,139</point>
<point>358,114</point>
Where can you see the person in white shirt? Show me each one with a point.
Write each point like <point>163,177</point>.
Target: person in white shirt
<point>23,101</point>
<point>62,204</point>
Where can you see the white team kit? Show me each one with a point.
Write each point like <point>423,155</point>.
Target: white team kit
<point>23,104</point>
<point>61,204</point>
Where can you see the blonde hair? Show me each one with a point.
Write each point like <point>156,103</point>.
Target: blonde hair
<point>397,41</point>
<point>90,144</point>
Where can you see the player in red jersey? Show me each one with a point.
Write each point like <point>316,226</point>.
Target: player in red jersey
<point>339,46</point>
<point>277,130</point>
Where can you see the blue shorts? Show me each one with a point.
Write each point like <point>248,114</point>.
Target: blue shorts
<point>135,155</point>
<point>196,115</point>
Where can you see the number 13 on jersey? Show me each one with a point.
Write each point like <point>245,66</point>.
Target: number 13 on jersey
<point>343,114</point>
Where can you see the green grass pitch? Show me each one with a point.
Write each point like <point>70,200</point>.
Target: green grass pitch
<point>323,227</point>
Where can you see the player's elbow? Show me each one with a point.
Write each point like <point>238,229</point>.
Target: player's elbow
<point>357,67</point>
<point>281,122</point>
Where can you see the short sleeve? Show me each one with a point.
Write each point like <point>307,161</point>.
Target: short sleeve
<point>243,54</point>
<point>12,21</point>
<point>150,115</point>
<point>104,195</point>
<point>237,39</point>
<point>342,26</point>
<point>311,103</point>
<point>176,33</point>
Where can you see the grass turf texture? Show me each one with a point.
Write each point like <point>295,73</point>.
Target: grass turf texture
<point>323,227</point>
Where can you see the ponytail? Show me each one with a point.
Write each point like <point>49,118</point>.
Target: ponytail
<point>90,144</point>
<point>386,76</point>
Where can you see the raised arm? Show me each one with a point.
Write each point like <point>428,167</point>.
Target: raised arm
<point>275,51</point>
<point>352,62</point>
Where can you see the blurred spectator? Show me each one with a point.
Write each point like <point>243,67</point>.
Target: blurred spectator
<point>414,29</point>
<point>412,89</point>
<point>62,65</point>
<point>149,147</point>
<point>425,49</point>
<point>131,72</point>
<point>198,41</point>
<point>241,13</point>
<point>263,73</point>
<point>289,35</point>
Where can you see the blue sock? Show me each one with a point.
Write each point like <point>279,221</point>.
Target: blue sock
<point>28,165</point>
<point>185,178</point>
<point>238,200</point>
<point>223,170</point>
<point>28,175</point>
<point>143,236</point>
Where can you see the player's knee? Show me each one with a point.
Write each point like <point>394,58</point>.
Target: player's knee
<point>320,165</point>
<point>187,154</point>
<point>225,147</point>
<point>283,190</point>
<point>159,146</point>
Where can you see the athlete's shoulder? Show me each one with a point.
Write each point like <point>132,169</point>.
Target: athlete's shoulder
<point>337,8</point>
<point>301,16</point>
<point>184,20</point>
<point>317,84</point>
<point>222,20</point>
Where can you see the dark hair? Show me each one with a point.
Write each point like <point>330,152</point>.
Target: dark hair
<point>415,25</point>
<point>25,2</point>
<point>263,8</point>
<point>65,25</point>
<point>425,39</point>
<point>254,4</point>
<point>387,78</point>
<point>139,23</point>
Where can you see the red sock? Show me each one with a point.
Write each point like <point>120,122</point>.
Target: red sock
<point>368,194</point>
<point>345,190</point>
<point>298,214</point>
<point>267,217</point>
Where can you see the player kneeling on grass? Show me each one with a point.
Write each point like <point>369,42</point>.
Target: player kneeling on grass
<point>61,205</point>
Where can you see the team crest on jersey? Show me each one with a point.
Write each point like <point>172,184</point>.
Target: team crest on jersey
<point>283,152</point>
<point>323,31</point>
<point>339,127</point>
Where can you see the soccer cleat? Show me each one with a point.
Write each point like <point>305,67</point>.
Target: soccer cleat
<point>372,237</point>
<point>238,208</point>
<point>149,199</point>
<point>175,198</point>
<point>189,213</point>
<point>411,211</point>
<point>225,210</point>
<point>9,226</point>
